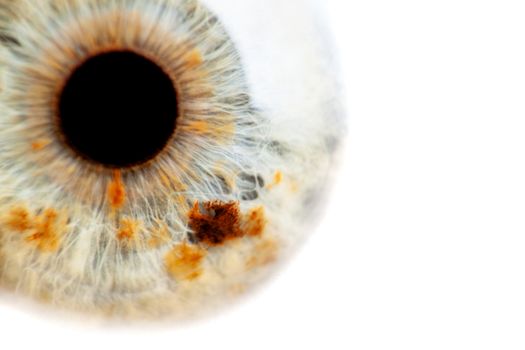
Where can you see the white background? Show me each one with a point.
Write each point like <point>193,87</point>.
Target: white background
<point>423,244</point>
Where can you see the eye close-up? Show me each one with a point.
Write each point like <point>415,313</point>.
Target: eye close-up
<point>160,158</point>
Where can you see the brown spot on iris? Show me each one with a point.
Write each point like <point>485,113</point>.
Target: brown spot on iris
<point>217,224</point>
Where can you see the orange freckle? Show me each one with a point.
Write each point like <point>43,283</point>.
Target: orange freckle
<point>38,145</point>
<point>254,222</point>
<point>116,191</point>
<point>18,219</point>
<point>184,262</point>
<point>277,180</point>
<point>47,231</point>
<point>127,230</point>
<point>278,177</point>
<point>198,127</point>
<point>265,252</point>
<point>194,58</point>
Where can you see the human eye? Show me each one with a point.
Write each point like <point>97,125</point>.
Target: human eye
<point>159,157</point>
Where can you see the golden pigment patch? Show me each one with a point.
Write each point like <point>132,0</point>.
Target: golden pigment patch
<point>183,262</point>
<point>128,230</point>
<point>254,222</point>
<point>47,230</point>
<point>19,219</point>
<point>217,222</point>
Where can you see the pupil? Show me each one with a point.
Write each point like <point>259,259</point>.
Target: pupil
<point>118,109</point>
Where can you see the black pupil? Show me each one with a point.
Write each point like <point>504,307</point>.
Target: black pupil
<point>118,109</point>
